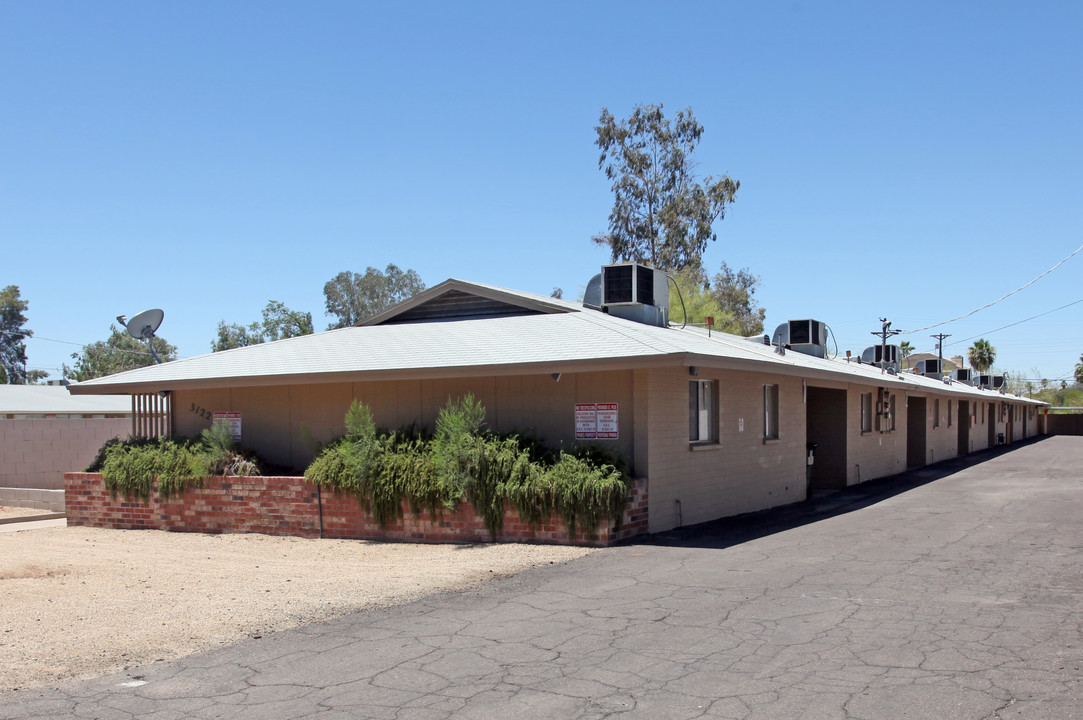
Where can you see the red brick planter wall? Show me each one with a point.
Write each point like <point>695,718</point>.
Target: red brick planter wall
<point>292,506</point>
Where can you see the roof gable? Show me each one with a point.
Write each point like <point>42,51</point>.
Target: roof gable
<point>459,300</point>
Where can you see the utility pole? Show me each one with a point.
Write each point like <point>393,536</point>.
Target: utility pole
<point>885,333</point>
<point>940,349</point>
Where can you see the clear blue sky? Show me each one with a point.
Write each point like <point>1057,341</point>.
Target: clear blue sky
<point>910,160</point>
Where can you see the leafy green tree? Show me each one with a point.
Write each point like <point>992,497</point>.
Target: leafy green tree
<point>661,215</point>
<point>352,297</point>
<point>279,323</point>
<point>727,298</point>
<point>117,353</point>
<point>734,291</point>
<point>235,335</point>
<point>981,355</point>
<point>694,302</point>
<point>12,334</point>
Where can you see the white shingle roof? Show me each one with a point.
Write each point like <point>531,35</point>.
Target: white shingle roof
<point>564,337</point>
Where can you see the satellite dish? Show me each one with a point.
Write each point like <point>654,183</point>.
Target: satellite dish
<point>143,326</point>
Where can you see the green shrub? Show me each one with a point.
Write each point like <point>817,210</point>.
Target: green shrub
<point>463,463</point>
<point>128,467</point>
<point>220,453</point>
<point>99,459</point>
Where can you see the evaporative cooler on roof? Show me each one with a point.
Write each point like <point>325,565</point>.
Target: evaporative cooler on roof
<point>804,336</point>
<point>628,283</point>
<point>631,291</point>
<point>885,356</point>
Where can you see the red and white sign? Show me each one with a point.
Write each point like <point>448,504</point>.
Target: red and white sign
<point>586,421</point>
<point>607,421</point>
<point>232,419</point>
<point>596,421</point>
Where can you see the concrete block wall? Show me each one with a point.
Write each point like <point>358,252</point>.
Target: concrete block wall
<point>35,453</point>
<point>941,443</point>
<point>291,506</point>
<point>34,498</point>
<point>873,454</point>
<point>742,472</point>
<point>1057,424</point>
<point>979,426</point>
<point>978,434</point>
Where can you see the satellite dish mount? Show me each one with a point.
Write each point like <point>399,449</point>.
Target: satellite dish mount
<point>143,326</point>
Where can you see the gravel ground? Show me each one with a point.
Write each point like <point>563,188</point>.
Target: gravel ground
<point>14,512</point>
<point>82,602</point>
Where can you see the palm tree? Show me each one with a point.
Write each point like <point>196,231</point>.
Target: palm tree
<point>1079,371</point>
<point>981,355</point>
<point>906,348</point>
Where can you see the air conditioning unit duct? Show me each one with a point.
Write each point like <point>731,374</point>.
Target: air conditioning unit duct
<point>992,382</point>
<point>592,296</point>
<point>804,336</point>
<point>962,375</point>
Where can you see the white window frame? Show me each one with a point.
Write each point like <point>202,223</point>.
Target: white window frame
<point>866,413</point>
<point>702,412</point>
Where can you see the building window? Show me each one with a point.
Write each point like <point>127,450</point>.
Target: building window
<point>983,413</point>
<point>949,412</point>
<point>936,413</point>
<point>866,412</point>
<point>702,411</point>
<point>770,412</point>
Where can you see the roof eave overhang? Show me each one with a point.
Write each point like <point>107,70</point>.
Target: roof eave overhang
<point>749,364</point>
<point>434,373</point>
<point>438,373</point>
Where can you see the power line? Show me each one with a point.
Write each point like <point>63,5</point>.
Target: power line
<point>66,342</point>
<point>29,335</point>
<point>1004,327</point>
<point>1003,297</point>
<point>104,348</point>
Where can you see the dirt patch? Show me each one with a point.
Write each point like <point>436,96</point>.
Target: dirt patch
<point>82,602</point>
<point>6,511</point>
<point>31,571</point>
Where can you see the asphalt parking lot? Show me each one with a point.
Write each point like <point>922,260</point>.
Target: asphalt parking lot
<point>951,592</point>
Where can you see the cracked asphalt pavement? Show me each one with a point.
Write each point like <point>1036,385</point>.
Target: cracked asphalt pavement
<point>951,592</point>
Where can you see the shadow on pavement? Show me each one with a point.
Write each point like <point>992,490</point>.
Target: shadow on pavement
<point>730,531</point>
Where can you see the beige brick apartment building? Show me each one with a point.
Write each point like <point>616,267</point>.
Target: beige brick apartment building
<point>718,425</point>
